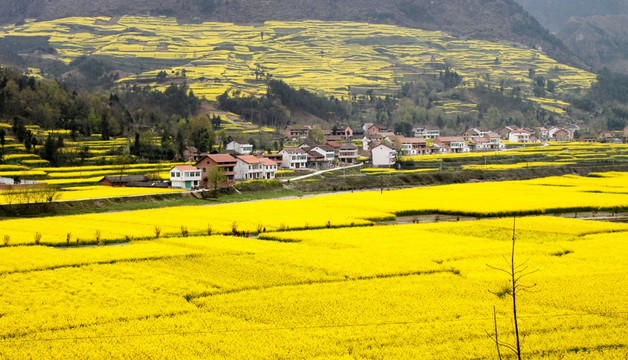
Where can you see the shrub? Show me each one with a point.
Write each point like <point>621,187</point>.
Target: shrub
<point>68,237</point>
<point>184,230</point>
<point>7,238</point>
<point>37,238</point>
<point>157,232</point>
<point>98,239</point>
<point>209,229</point>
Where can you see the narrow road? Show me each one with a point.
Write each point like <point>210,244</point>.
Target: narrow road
<point>320,172</point>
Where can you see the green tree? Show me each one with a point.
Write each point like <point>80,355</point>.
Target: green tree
<point>317,135</point>
<point>122,163</point>
<point>215,177</point>
<point>2,139</point>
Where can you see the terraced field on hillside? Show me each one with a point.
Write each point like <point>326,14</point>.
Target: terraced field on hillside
<point>339,58</point>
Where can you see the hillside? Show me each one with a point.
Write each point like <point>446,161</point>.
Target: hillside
<point>600,41</point>
<point>489,20</point>
<point>553,14</point>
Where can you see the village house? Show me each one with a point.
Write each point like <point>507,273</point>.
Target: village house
<point>561,135</point>
<point>479,144</point>
<point>327,155</point>
<point>376,128</point>
<point>450,145</point>
<point>224,161</point>
<point>248,167</point>
<point>297,132</point>
<point>239,147</point>
<point>476,132</point>
<point>494,141</point>
<point>121,181</point>
<point>504,132</point>
<point>606,137</point>
<point>426,131</point>
<point>293,158</point>
<point>383,155</point>
<point>348,153</point>
<point>343,131</point>
<point>190,153</point>
<point>519,136</point>
<point>412,146</point>
<point>185,177</point>
<point>269,168</point>
<point>542,132</point>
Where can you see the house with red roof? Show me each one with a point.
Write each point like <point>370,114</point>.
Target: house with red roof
<point>185,177</point>
<point>224,161</point>
<point>250,167</point>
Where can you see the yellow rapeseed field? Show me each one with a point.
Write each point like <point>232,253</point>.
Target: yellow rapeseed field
<point>561,194</point>
<point>393,292</point>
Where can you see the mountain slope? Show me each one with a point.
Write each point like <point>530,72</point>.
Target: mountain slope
<point>600,41</point>
<point>480,19</point>
<point>553,14</point>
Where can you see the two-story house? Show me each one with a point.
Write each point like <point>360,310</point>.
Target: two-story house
<point>185,177</point>
<point>450,145</point>
<point>412,146</point>
<point>224,161</point>
<point>426,131</point>
<point>293,158</point>
<point>298,132</point>
<point>521,136</point>
<point>269,170</point>
<point>248,167</point>
<point>348,153</point>
<point>325,157</point>
<point>383,155</point>
<point>240,147</point>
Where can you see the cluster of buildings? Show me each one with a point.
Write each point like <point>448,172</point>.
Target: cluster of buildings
<point>379,144</point>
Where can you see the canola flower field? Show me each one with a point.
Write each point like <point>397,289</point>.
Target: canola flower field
<point>604,191</point>
<point>341,58</point>
<point>402,291</point>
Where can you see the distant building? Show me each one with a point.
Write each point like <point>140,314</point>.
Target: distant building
<point>412,146</point>
<point>383,155</point>
<point>122,181</point>
<point>298,132</point>
<point>239,147</point>
<point>426,131</point>
<point>348,153</point>
<point>450,145</point>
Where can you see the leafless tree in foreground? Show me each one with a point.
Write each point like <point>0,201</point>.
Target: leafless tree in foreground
<point>515,274</point>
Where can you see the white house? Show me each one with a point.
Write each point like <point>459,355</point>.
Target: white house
<point>248,167</point>
<point>412,146</point>
<point>383,155</point>
<point>521,136</point>
<point>293,158</point>
<point>269,168</point>
<point>240,147</point>
<point>324,155</point>
<point>185,177</point>
<point>426,131</point>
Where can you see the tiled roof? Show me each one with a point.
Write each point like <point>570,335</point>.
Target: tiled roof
<point>249,159</point>
<point>185,167</point>
<point>222,158</point>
